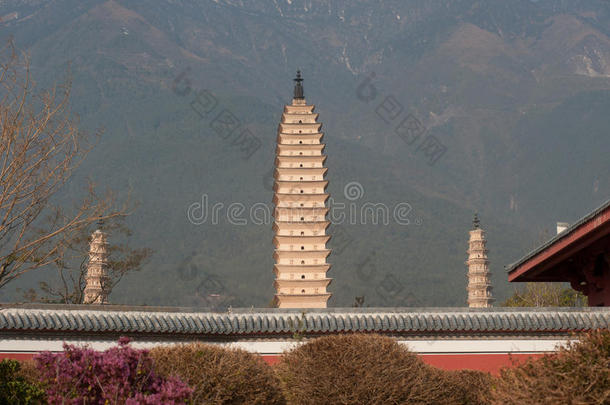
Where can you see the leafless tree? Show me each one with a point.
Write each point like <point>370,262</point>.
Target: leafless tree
<point>545,295</point>
<point>40,148</point>
<point>69,286</point>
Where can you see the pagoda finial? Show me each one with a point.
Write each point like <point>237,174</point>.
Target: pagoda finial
<point>298,87</point>
<point>476,221</point>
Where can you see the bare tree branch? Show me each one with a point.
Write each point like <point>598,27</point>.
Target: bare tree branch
<point>40,148</point>
<point>74,258</point>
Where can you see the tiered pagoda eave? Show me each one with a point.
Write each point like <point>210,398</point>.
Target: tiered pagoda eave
<point>300,208</point>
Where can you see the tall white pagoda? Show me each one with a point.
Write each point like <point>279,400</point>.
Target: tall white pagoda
<point>97,269</point>
<point>300,208</point>
<point>479,282</point>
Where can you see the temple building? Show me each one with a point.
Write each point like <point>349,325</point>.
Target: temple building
<point>300,208</point>
<point>97,269</point>
<point>579,255</point>
<point>479,283</point>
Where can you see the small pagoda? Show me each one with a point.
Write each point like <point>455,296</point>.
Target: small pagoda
<point>97,269</point>
<point>300,208</point>
<point>479,283</point>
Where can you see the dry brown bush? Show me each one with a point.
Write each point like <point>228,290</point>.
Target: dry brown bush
<point>220,375</point>
<point>467,387</point>
<point>29,371</point>
<point>358,369</point>
<point>577,374</point>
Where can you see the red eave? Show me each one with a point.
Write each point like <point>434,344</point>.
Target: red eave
<point>575,239</point>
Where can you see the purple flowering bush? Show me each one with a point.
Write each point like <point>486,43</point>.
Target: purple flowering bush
<point>121,374</point>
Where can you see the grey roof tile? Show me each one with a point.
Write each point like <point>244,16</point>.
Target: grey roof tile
<point>86,322</point>
<point>270,321</point>
<point>192,324</point>
<point>256,323</point>
<point>339,322</point>
<point>392,324</point>
<point>468,323</point>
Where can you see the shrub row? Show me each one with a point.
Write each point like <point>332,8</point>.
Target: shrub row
<point>219,375</point>
<point>577,374</point>
<point>340,369</point>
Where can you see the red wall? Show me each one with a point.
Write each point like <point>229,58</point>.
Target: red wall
<point>16,356</point>
<point>483,362</point>
<point>491,363</point>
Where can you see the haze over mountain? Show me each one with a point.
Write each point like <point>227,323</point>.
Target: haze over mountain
<point>517,92</point>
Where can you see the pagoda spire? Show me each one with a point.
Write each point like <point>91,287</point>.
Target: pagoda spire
<point>300,208</point>
<point>479,282</point>
<point>97,268</point>
<point>298,86</point>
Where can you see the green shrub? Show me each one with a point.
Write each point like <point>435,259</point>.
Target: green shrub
<point>15,388</point>
<point>577,374</point>
<point>219,375</point>
<point>358,369</point>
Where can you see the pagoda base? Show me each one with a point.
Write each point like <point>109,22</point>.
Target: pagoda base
<point>302,300</point>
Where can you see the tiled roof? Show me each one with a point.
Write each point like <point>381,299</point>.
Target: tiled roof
<point>111,319</point>
<point>511,267</point>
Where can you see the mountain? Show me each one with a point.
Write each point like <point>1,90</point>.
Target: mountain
<point>516,93</point>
